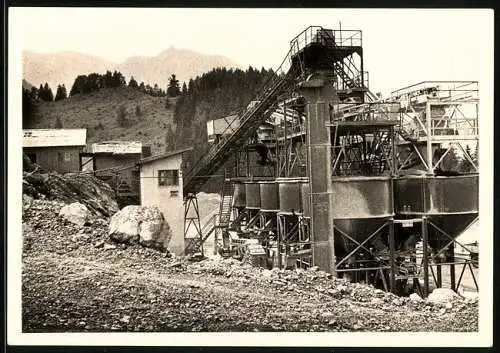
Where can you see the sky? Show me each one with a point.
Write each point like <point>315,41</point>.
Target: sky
<point>401,47</point>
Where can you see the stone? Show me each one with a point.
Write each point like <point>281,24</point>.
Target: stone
<point>442,296</point>
<point>449,306</point>
<point>267,273</point>
<point>75,213</point>
<point>27,202</point>
<point>414,297</point>
<point>108,246</point>
<point>140,224</point>
<point>397,301</point>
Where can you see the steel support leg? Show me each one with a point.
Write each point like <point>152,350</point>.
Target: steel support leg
<point>451,259</point>
<point>439,273</point>
<point>425,256</point>
<point>392,256</point>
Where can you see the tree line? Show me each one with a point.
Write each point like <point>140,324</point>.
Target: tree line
<point>215,94</point>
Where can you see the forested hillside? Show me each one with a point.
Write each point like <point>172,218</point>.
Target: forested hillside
<point>113,107</point>
<point>214,95</point>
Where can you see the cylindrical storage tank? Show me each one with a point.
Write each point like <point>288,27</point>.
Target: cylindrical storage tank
<point>451,203</point>
<point>239,195</point>
<point>360,206</point>
<point>252,195</point>
<point>305,199</point>
<point>290,196</point>
<point>417,195</point>
<point>269,196</point>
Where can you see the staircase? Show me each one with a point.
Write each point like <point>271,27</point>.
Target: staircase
<point>250,120</point>
<point>226,204</point>
<point>350,82</point>
<point>384,149</point>
<point>337,66</point>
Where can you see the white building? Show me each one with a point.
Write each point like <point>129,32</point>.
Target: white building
<point>161,186</point>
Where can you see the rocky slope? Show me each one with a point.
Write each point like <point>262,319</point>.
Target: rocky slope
<point>75,279</point>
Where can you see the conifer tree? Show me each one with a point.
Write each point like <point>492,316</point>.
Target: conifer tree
<point>61,93</point>
<point>173,89</point>
<point>133,83</point>
<point>48,92</point>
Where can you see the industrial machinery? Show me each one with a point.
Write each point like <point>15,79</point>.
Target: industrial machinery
<point>328,174</point>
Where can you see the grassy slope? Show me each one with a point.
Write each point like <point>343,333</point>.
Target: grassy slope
<point>86,111</point>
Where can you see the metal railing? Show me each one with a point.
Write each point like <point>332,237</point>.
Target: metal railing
<point>367,111</point>
<point>320,35</point>
<point>256,114</point>
<point>450,90</point>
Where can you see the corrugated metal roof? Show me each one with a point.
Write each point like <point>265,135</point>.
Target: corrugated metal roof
<point>54,137</point>
<point>164,155</point>
<point>117,147</point>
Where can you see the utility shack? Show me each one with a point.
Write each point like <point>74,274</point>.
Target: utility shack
<point>161,186</point>
<point>116,162</point>
<point>55,150</point>
<point>220,127</point>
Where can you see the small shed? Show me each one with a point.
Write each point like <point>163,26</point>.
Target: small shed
<point>55,150</point>
<point>223,126</point>
<point>116,163</point>
<point>161,186</point>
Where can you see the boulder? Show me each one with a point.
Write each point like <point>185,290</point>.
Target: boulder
<point>27,202</point>
<point>75,213</point>
<point>442,296</point>
<point>140,224</point>
<point>414,297</point>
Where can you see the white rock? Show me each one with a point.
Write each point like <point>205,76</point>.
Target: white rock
<point>327,314</point>
<point>75,213</point>
<point>142,224</point>
<point>108,246</point>
<point>377,301</point>
<point>27,202</point>
<point>449,306</point>
<point>125,319</point>
<point>414,297</point>
<point>267,273</point>
<point>442,296</point>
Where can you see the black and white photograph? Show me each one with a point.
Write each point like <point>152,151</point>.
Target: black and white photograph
<point>202,176</point>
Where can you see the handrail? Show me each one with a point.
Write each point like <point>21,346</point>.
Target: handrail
<point>261,110</point>
<point>271,86</point>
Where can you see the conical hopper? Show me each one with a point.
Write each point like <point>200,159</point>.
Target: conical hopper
<point>360,206</point>
<point>450,203</point>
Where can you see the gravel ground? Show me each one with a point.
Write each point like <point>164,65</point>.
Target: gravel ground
<point>75,279</point>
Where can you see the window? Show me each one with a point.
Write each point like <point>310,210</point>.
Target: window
<point>67,156</point>
<point>168,177</point>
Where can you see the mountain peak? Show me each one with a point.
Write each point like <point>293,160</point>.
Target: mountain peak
<point>65,66</point>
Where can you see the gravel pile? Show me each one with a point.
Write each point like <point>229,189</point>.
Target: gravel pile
<point>76,279</point>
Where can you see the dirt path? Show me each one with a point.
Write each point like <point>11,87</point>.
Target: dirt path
<point>64,292</point>
<point>69,284</point>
